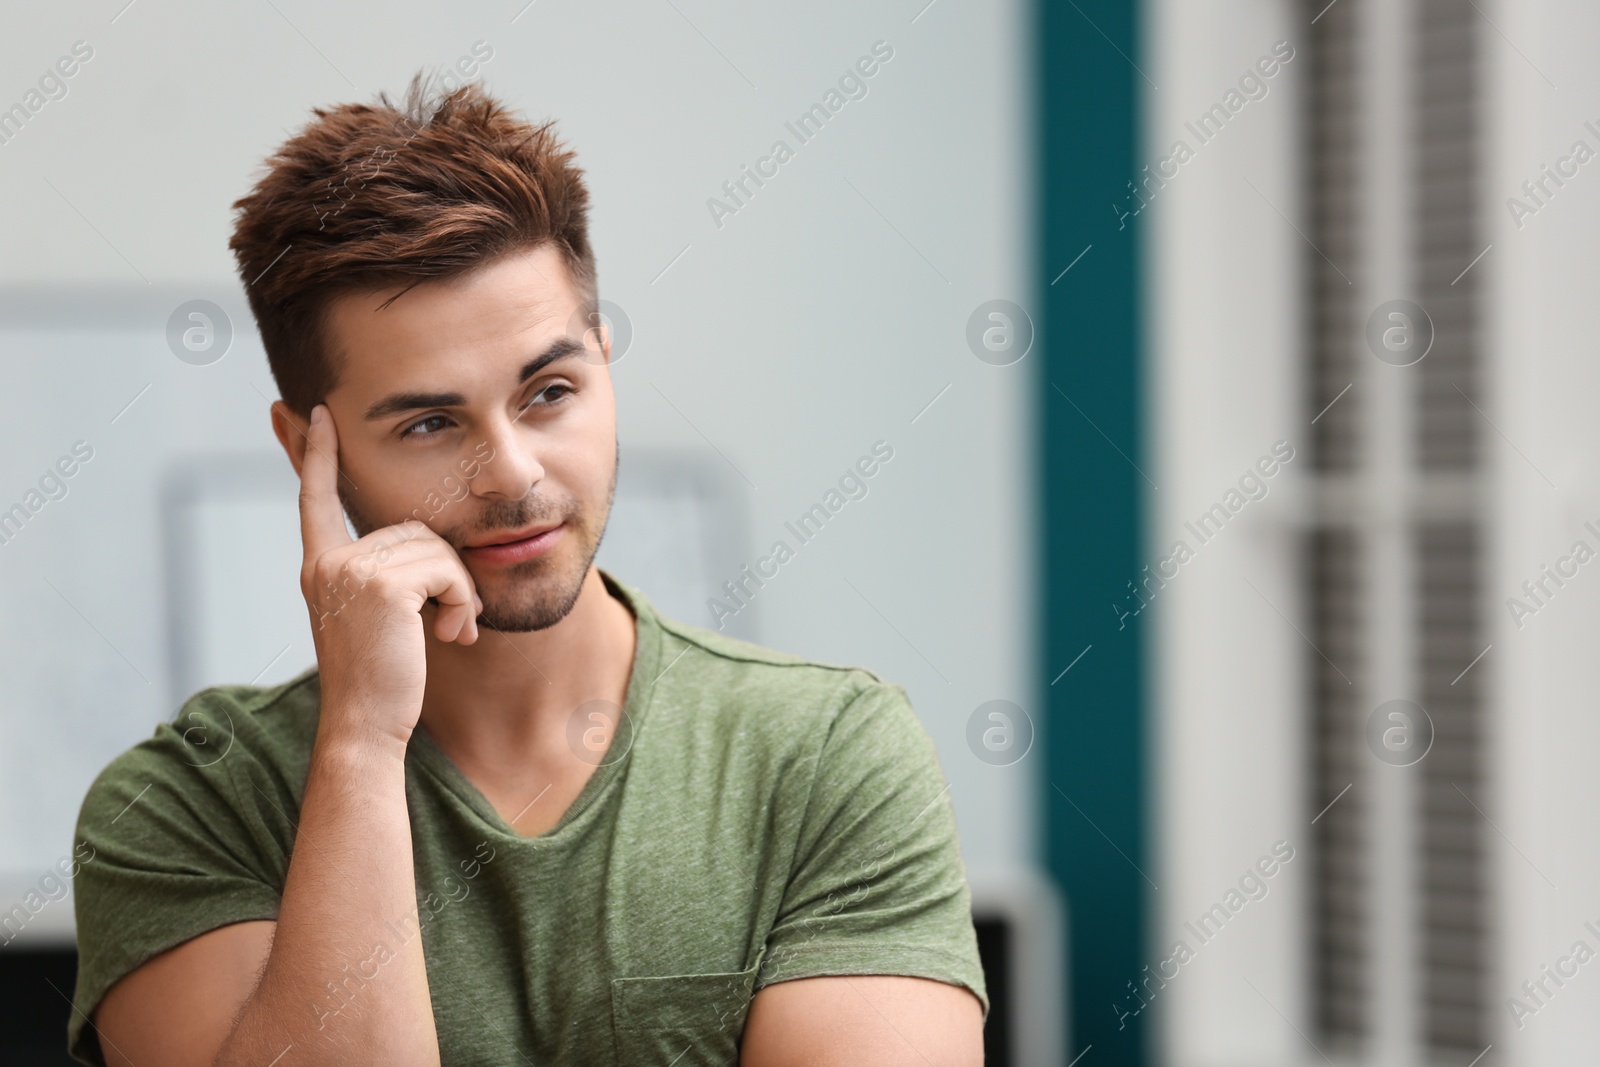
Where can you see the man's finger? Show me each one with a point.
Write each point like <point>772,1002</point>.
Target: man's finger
<point>321,515</point>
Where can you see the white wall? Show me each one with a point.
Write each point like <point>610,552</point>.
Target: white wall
<point>793,337</point>
<point>1223,275</point>
<point>1541,394</point>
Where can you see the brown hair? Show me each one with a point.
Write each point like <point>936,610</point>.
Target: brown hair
<point>368,197</point>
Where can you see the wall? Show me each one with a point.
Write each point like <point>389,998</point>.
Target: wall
<point>830,311</point>
<point>1223,281</point>
<point>1545,460</point>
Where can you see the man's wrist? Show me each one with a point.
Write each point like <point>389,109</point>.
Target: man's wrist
<point>355,746</point>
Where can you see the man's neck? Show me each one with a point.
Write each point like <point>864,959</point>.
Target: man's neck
<point>507,699</point>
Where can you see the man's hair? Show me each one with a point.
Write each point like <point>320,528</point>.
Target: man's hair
<point>365,198</point>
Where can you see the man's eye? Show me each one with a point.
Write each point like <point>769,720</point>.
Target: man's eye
<point>561,393</point>
<point>417,427</point>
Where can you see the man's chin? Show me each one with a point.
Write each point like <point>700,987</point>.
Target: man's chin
<point>519,622</point>
<point>529,604</point>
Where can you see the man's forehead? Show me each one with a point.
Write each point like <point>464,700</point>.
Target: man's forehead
<point>517,301</point>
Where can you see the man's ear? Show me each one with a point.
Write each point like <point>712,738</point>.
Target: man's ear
<point>291,431</point>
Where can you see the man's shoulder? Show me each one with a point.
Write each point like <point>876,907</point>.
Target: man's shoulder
<point>213,791</point>
<point>753,687</point>
<point>220,727</point>
<point>275,721</point>
<point>725,656</point>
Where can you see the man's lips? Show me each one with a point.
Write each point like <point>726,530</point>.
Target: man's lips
<point>512,537</point>
<point>527,544</point>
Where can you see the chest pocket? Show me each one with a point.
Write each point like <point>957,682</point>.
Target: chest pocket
<point>681,1020</point>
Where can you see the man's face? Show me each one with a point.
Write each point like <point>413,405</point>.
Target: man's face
<point>459,370</point>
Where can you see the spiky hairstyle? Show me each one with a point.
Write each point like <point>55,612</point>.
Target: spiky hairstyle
<point>368,197</point>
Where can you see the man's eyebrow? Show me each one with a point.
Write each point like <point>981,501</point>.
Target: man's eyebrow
<point>560,348</point>
<point>400,403</point>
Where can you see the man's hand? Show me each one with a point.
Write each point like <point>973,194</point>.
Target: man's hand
<point>366,599</point>
<point>243,995</point>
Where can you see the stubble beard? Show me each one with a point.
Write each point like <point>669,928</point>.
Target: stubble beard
<point>536,593</point>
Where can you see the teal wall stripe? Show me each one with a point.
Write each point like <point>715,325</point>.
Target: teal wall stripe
<point>1088,389</point>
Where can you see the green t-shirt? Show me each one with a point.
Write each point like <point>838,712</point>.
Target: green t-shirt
<point>768,818</point>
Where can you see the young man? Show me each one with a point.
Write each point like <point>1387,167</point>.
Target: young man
<point>514,815</point>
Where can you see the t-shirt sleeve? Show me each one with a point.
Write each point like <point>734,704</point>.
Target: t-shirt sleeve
<point>878,885</point>
<point>168,849</point>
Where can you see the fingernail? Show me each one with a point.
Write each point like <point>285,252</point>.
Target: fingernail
<point>316,415</point>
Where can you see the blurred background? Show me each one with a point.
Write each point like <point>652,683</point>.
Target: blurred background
<point>1236,357</point>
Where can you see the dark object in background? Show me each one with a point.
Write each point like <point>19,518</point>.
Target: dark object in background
<point>994,950</point>
<point>33,1016</point>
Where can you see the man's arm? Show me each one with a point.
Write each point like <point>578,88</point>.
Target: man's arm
<point>178,1007</point>
<point>343,979</point>
<point>249,992</point>
<point>873,957</point>
<point>863,1021</point>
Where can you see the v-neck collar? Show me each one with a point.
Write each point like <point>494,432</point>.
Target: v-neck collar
<point>641,688</point>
